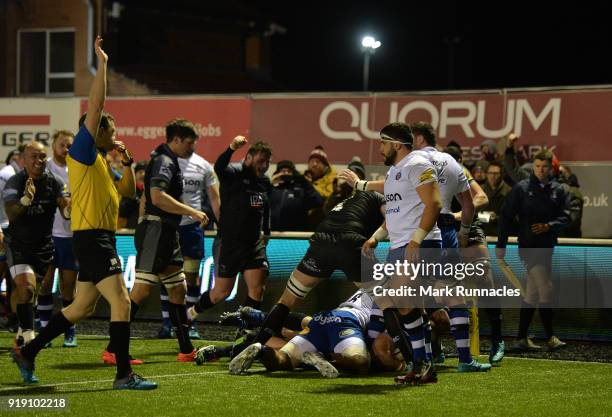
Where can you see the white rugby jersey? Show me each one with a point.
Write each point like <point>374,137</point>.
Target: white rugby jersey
<point>5,173</point>
<point>451,178</point>
<point>404,206</point>
<point>362,306</point>
<point>198,175</point>
<point>61,226</point>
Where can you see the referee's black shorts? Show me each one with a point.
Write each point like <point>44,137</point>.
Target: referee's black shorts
<point>330,251</point>
<point>232,257</point>
<point>157,246</point>
<point>96,253</point>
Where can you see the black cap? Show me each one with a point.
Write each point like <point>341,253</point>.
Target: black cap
<point>140,166</point>
<point>284,164</point>
<point>357,167</point>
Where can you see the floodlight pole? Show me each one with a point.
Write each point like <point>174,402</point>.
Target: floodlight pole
<point>366,68</point>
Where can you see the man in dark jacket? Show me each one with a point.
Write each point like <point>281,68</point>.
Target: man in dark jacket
<point>497,191</point>
<point>291,197</point>
<point>542,208</point>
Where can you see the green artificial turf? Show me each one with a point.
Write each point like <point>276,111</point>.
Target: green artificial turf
<point>520,387</point>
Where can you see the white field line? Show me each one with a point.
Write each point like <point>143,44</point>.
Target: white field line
<point>100,381</point>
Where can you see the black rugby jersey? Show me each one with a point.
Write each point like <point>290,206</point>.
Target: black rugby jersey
<point>163,172</point>
<point>245,211</point>
<point>359,214</point>
<point>34,227</point>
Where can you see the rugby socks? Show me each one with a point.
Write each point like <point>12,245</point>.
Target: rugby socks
<point>180,324</point>
<point>252,303</point>
<point>427,331</point>
<point>460,329</point>
<point>495,321</point>
<point>25,317</point>
<point>72,330</point>
<point>414,326</point>
<point>44,308</point>
<point>527,312</point>
<point>192,297</point>
<point>546,315</point>
<point>163,297</point>
<point>57,325</point>
<point>119,332</point>
<point>273,323</point>
<point>133,310</point>
<point>203,303</point>
<point>395,327</point>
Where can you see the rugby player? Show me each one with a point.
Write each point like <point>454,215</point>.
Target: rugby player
<point>240,246</point>
<point>95,204</point>
<point>159,259</point>
<point>411,186</point>
<point>198,178</point>
<point>31,198</point>
<point>477,252</point>
<point>339,335</point>
<point>14,164</point>
<point>453,184</point>
<point>336,244</point>
<point>63,257</point>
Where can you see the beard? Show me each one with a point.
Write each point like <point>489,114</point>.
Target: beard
<point>389,159</point>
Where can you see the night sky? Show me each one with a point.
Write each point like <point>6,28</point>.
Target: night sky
<point>504,44</point>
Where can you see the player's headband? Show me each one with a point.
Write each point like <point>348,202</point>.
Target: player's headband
<point>387,138</point>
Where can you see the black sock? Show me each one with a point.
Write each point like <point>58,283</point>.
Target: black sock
<point>495,320</point>
<point>394,323</point>
<point>25,316</point>
<point>273,323</point>
<point>224,351</point>
<point>294,321</point>
<point>119,332</point>
<point>133,310</point>
<point>57,325</point>
<point>204,302</point>
<point>252,303</point>
<point>525,317</point>
<point>546,315</point>
<point>178,317</point>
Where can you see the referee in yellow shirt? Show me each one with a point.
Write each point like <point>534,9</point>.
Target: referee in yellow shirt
<point>95,204</point>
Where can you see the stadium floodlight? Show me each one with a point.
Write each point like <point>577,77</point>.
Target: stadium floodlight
<point>369,46</point>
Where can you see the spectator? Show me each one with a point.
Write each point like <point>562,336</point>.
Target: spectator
<point>291,197</point>
<point>342,190</point>
<point>496,190</point>
<point>569,181</point>
<point>514,164</point>
<point>129,207</point>
<point>488,148</point>
<point>323,176</point>
<point>479,171</point>
<point>542,208</point>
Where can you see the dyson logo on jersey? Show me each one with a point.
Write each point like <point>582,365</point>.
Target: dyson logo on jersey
<point>393,197</point>
<point>323,320</point>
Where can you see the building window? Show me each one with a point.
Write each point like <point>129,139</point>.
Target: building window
<point>45,62</point>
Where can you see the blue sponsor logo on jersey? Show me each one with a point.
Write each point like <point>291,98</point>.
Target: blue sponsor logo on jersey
<point>393,210</point>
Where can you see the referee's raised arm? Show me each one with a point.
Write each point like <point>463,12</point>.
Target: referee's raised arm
<point>97,93</point>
